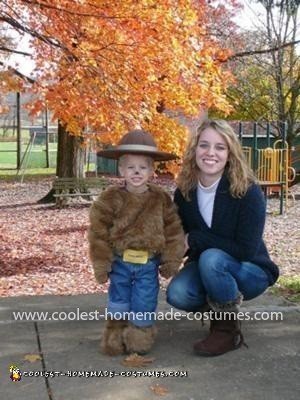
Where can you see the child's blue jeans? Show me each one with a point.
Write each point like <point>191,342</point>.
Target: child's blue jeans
<point>133,291</point>
<point>218,276</point>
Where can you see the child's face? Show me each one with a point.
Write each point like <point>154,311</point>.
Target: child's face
<point>136,170</point>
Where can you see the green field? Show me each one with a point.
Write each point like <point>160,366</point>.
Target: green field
<point>36,158</point>
<point>36,163</point>
<point>10,133</point>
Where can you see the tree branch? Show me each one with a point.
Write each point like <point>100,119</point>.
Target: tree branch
<point>15,24</point>
<point>270,50</point>
<point>67,11</point>
<point>18,73</point>
<point>2,48</point>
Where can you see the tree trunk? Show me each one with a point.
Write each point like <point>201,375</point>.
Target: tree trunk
<point>70,159</point>
<point>70,155</point>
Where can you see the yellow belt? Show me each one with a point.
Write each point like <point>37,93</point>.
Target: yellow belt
<point>136,256</point>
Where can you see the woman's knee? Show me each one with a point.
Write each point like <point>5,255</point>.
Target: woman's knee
<point>211,256</point>
<point>177,294</point>
<point>186,291</point>
<point>252,280</point>
<point>211,260</point>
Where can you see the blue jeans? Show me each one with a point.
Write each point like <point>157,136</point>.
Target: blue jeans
<point>134,289</point>
<point>218,276</point>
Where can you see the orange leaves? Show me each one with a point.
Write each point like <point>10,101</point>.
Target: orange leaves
<point>32,357</point>
<point>134,360</point>
<point>9,82</point>
<point>159,390</point>
<point>36,107</point>
<point>4,108</point>
<point>107,65</point>
<point>163,128</point>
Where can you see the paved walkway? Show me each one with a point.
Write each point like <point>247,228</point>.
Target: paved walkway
<point>268,369</point>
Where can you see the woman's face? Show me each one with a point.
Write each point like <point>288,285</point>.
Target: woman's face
<point>211,156</point>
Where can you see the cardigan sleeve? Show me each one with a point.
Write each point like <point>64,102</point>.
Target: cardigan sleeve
<point>249,230</point>
<point>101,219</point>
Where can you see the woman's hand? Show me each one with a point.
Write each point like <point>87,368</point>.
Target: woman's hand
<point>186,243</point>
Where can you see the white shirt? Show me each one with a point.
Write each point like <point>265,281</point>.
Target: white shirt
<point>206,198</point>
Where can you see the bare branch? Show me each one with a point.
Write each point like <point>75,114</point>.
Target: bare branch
<point>2,48</point>
<point>270,50</point>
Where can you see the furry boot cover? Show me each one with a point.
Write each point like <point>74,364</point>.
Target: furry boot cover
<point>112,338</point>
<point>139,340</point>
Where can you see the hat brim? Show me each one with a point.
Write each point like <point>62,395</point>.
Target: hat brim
<point>116,153</point>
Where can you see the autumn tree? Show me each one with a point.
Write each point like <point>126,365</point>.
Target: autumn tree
<point>106,67</point>
<point>268,79</point>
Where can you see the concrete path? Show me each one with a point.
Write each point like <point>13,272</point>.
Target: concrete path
<point>268,369</point>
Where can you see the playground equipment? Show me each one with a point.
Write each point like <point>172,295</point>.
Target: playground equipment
<point>24,161</point>
<point>38,136</point>
<point>271,165</point>
<point>274,170</point>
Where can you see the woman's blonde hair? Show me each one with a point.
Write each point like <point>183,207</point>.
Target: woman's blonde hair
<point>238,172</point>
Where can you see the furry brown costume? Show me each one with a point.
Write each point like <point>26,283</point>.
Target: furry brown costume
<point>121,220</point>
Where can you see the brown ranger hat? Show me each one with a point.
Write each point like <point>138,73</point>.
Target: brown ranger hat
<point>137,142</point>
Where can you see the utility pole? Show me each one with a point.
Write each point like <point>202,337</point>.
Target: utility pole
<point>19,144</point>
<point>47,138</point>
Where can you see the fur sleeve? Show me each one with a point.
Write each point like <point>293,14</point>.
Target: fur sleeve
<point>101,219</point>
<point>173,252</point>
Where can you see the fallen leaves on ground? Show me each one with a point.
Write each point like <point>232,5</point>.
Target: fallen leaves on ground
<point>135,360</point>
<point>44,250</point>
<point>159,390</point>
<point>32,357</point>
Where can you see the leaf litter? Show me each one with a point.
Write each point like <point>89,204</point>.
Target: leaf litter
<point>44,250</point>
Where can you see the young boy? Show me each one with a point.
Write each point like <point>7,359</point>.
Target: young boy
<point>134,231</point>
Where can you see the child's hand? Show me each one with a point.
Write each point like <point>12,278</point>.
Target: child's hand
<point>167,270</point>
<point>102,278</point>
<point>186,242</point>
<point>100,272</point>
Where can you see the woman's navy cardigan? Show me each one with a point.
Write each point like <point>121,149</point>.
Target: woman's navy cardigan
<point>237,226</point>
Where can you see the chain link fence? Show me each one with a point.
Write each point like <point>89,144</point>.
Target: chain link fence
<point>38,141</point>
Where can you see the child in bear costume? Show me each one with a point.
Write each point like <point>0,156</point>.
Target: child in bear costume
<point>134,233</point>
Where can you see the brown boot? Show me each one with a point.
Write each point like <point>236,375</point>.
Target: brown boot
<point>112,339</point>
<point>225,335</point>
<point>139,340</point>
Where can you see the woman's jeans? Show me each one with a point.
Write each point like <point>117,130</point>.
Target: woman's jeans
<point>133,291</point>
<point>218,276</point>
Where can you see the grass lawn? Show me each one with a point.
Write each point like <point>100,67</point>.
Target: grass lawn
<point>289,287</point>
<point>36,158</point>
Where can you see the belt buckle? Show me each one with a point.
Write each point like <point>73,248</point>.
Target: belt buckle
<point>136,256</point>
